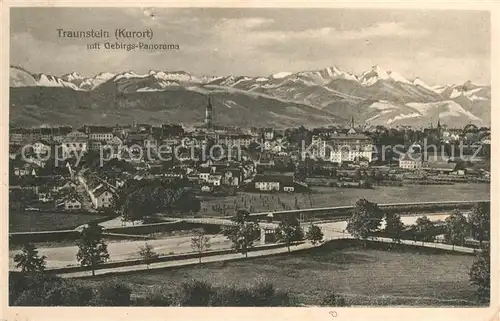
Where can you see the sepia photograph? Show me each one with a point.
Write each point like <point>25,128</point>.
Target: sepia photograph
<point>249,157</point>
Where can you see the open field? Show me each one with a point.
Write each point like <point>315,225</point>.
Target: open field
<point>365,276</point>
<point>333,196</point>
<point>47,221</point>
<point>320,197</point>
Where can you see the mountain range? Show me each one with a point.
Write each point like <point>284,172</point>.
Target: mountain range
<point>311,98</point>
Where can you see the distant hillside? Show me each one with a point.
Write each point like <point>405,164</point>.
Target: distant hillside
<point>309,98</point>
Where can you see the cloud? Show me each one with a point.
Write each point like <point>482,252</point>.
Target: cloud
<point>383,29</point>
<point>221,41</point>
<point>248,24</point>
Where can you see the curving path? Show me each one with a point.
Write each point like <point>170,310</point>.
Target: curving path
<point>64,256</point>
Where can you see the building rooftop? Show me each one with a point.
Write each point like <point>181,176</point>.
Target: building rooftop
<point>284,179</point>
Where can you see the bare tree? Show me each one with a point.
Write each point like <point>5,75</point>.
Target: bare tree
<point>147,254</point>
<point>200,242</point>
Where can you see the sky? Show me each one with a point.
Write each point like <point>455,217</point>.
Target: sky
<point>438,46</point>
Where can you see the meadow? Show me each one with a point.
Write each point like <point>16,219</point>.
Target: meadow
<point>363,275</point>
<point>48,221</point>
<point>334,196</point>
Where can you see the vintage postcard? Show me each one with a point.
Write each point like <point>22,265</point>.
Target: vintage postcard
<point>318,158</point>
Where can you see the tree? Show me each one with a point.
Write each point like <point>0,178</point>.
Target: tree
<point>147,254</point>
<point>243,233</point>
<point>92,250</point>
<point>289,231</point>
<point>314,234</point>
<point>140,200</point>
<point>19,199</point>
<point>366,183</point>
<point>379,176</point>
<point>456,228</point>
<point>357,175</point>
<point>479,274</point>
<point>394,227</point>
<point>479,221</point>
<point>424,229</point>
<point>366,217</point>
<point>200,242</point>
<point>300,172</point>
<point>29,261</point>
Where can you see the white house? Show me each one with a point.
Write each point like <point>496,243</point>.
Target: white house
<point>102,197</point>
<point>41,148</point>
<point>410,161</point>
<point>206,188</point>
<point>263,182</point>
<point>72,204</point>
<point>74,146</point>
<point>101,136</point>
<point>215,179</point>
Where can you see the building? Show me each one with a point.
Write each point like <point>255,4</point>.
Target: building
<point>410,161</point>
<point>339,148</point>
<point>209,115</point>
<point>95,145</point>
<point>435,156</point>
<point>207,188</point>
<point>232,177</point>
<point>150,142</point>
<point>102,197</point>
<point>439,167</point>
<point>17,135</point>
<point>214,179</point>
<point>100,133</point>
<point>41,148</point>
<point>76,134</point>
<point>268,134</point>
<point>266,159</point>
<point>71,204</point>
<point>74,145</point>
<point>486,140</point>
<point>204,173</point>
<point>275,182</point>
<point>236,140</point>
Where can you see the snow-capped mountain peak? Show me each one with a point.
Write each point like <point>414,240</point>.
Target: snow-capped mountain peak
<point>373,75</point>
<point>44,80</point>
<point>398,77</point>
<point>74,76</point>
<point>418,82</point>
<point>281,75</point>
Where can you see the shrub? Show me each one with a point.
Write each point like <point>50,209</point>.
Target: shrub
<point>195,293</point>
<point>157,299</point>
<point>113,294</point>
<point>42,290</point>
<point>333,300</point>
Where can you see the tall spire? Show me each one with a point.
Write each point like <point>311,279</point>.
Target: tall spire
<point>352,121</point>
<point>209,114</point>
<point>209,105</point>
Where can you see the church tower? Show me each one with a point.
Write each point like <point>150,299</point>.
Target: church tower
<point>209,114</point>
<point>439,129</point>
<point>352,130</point>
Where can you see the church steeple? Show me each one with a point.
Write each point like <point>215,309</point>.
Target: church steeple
<point>352,130</point>
<point>209,114</point>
